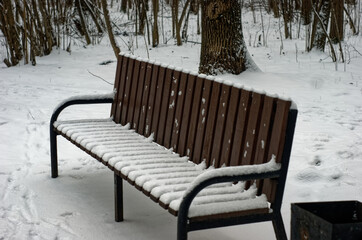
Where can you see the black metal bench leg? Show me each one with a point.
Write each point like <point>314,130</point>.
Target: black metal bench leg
<point>279,229</point>
<point>53,153</point>
<point>118,198</point>
<point>182,225</point>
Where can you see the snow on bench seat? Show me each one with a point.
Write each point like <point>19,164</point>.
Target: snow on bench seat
<point>159,172</point>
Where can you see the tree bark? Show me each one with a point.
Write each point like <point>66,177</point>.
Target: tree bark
<point>337,21</point>
<point>115,47</point>
<point>155,34</point>
<point>320,23</point>
<point>222,44</point>
<point>82,22</point>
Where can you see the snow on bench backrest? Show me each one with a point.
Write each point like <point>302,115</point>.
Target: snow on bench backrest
<point>200,117</point>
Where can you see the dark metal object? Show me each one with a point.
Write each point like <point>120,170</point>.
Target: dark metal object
<point>118,198</point>
<point>327,221</point>
<point>53,134</point>
<point>184,225</point>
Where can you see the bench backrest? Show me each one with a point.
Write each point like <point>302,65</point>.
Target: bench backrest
<point>200,117</point>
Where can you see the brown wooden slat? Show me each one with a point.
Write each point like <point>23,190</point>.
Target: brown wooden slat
<point>171,108</point>
<point>185,123</point>
<point>263,140</point>
<point>195,108</point>
<point>247,155</point>
<point>151,100</point>
<point>277,143</point>
<point>158,101</point>
<point>220,124</point>
<point>240,129</point>
<point>230,126</point>
<point>139,95</point>
<point>145,95</point>
<point>211,123</point>
<point>133,94</point>
<point>120,93</point>
<point>127,90</point>
<point>202,121</point>
<point>181,93</point>
<point>116,86</point>
<point>164,106</point>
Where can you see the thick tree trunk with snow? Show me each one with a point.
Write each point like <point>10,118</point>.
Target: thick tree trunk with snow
<point>222,47</point>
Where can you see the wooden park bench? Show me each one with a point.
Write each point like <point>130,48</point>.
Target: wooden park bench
<point>210,152</point>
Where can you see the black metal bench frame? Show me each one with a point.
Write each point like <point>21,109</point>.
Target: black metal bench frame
<point>184,224</point>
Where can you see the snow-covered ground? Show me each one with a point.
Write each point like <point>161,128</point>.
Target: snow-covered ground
<point>325,163</point>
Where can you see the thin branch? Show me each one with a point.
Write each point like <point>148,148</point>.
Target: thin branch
<point>99,77</point>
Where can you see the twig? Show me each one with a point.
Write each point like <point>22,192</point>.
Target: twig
<point>356,50</point>
<point>99,77</point>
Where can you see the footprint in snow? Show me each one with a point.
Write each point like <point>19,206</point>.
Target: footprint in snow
<point>66,214</point>
<point>309,175</point>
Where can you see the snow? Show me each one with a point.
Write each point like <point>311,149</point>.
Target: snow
<point>325,162</point>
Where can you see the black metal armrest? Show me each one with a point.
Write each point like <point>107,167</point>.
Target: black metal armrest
<point>85,99</point>
<point>80,100</point>
<point>227,174</point>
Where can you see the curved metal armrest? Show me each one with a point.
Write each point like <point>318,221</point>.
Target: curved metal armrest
<point>85,99</point>
<point>227,174</point>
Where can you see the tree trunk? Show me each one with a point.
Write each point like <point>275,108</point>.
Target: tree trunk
<point>319,36</point>
<point>222,45</point>
<point>155,34</point>
<point>124,6</point>
<point>109,28</point>
<point>337,17</point>
<point>179,21</point>
<point>11,32</point>
<point>306,12</point>
<point>82,22</point>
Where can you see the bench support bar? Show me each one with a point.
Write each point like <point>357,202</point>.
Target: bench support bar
<point>118,198</point>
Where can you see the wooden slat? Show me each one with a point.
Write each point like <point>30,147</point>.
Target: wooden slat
<point>146,91</point>
<point>122,83</point>
<point>116,86</point>
<point>139,95</point>
<point>171,108</point>
<point>127,91</point>
<point>247,155</point>
<point>185,123</point>
<point>151,100</point>
<point>202,121</point>
<point>158,101</point>
<point>211,124</point>
<point>194,117</point>
<point>277,143</point>
<point>220,124</point>
<point>240,129</point>
<point>133,94</point>
<point>263,140</point>
<point>179,110</point>
<point>164,106</point>
<point>230,126</point>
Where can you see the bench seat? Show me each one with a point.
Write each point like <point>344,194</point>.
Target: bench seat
<point>160,173</point>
